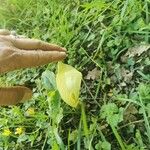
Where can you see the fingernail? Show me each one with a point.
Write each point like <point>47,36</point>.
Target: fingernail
<point>64,53</point>
<point>27,96</point>
<point>64,49</point>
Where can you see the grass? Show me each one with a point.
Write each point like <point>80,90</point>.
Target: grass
<point>116,103</point>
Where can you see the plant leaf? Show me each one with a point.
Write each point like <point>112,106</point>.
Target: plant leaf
<point>49,80</point>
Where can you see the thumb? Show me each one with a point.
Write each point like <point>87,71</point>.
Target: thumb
<point>14,95</point>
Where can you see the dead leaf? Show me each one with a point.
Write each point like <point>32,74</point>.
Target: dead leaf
<point>137,50</point>
<point>126,74</point>
<point>129,114</point>
<point>123,84</point>
<point>93,74</point>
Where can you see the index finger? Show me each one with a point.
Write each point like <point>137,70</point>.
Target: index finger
<point>33,44</point>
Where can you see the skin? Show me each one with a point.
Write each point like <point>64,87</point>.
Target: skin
<point>18,52</point>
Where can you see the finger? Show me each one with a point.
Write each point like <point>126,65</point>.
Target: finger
<point>17,59</point>
<point>27,59</point>
<point>33,44</point>
<point>4,32</point>
<point>14,95</point>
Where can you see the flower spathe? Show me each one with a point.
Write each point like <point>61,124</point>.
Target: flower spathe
<point>68,81</point>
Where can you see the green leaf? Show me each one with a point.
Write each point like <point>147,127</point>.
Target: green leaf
<point>49,80</point>
<point>22,138</point>
<point>103,145</point>
<point>148,109</point>
<point>112,114</point>
<point>54,111</point>
<point>106,145</point>
<point>144,92</point>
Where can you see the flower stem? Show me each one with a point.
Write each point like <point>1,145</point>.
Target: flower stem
<point>118,137</point>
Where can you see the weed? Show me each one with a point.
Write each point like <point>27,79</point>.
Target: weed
<point>98,35</point>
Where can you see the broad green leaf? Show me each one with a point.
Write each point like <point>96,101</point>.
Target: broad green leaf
<point>68,81</point>
<point>55,111</point>
<point>48,79</point>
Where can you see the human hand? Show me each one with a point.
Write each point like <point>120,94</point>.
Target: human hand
<point>17,52</point>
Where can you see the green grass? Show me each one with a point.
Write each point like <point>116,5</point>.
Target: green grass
<point>97,34</point>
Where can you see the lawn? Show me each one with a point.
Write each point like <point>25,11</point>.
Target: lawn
<point>108,42</point>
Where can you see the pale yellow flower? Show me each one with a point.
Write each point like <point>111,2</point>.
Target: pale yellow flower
<point>30,111</point>
<point>6,132</point>
<point>68,81</point>
<point>19,130</point>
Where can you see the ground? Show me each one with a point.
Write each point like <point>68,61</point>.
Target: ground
<point>108,42</point>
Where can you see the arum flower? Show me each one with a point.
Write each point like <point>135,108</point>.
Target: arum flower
<point>68,81</point>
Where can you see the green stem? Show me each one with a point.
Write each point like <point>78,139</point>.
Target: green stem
<point>147,125</point>
<point>118,137</point>
<point>147,19</point>
<point>79,137</point>
<point>84,121</point>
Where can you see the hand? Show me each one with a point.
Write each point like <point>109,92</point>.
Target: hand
<point>17,52</point>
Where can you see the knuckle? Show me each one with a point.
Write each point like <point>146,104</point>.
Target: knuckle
<point>15,55</point>
<point>6,51</point>
<point>39,43</point>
